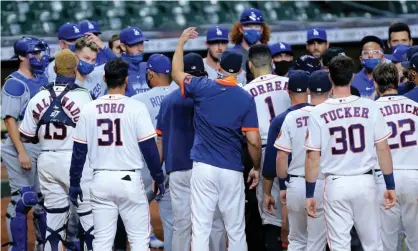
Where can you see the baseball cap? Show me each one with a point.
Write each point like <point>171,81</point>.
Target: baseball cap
<point>398,53</point>
<point>331,53</point>
<point>298,81</point>
<point>307,63</point>
<point>131,35</point>
<point>319,82</point>
<point>69,31</point>
<point>251,16</point>
<point>280,47</point>
<point>368,39</point>
<point>231,61</point>
<point>316,34</point>
<point>89,26</point>
<point>193,62</point>
<point>409,53</point>
<point>159,63</point>
<point>216,33</point>
<point>413,63</point>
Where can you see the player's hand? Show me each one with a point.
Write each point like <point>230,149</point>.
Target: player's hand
<point>283,196</point>
<point>187,34</point>
<point>74,193</point>
<point>389,199</point>
<point>269,203</point>
<point>95,39</point>
<point>159,190</point>
<point>284,233</point>
<point>25,161</point>
<point>253,176</point>
<point>310,205</point>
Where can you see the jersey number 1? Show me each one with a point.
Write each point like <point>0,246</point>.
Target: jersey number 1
<point>269,103</point>
<point>112,132</point>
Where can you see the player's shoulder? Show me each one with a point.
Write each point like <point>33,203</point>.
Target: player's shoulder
<point>14,86</point>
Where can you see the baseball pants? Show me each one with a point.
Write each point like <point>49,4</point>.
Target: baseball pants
<point>213,187</point>
<point>404,215</point>
<point>125,197</point>
<point>305,233</point>
<point>54,178</point>
<point>182,226</point>
<point>348,201</point>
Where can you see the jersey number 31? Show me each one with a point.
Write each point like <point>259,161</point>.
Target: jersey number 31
<point>110,129</point>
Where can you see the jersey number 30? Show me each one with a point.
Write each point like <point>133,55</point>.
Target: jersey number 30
<point>110,129</point>
<point>353,132</point>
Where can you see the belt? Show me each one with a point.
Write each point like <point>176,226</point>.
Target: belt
<point>62,150</point>
<point>296,176</point>
<point>131,170</point>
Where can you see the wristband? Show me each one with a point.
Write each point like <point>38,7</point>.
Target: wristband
<point>75,182</point>
<point>310,189</point>
<point>282,184</point>
<point>390,181</point>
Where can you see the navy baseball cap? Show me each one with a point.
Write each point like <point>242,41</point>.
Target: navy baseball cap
<point>216,33</point>
<point>368,39</point>
<point>193,62</point>
<point>159,63</point>
<point>316,34</point>
<point>131,35</point>
<point>319,82</point>
<point>251,16</point>
<point>69,31</point>
<point>411,51</point>
<point>280,47</point>
<point>230,61</point>
<point>413,63</point>
<point>398,53</point>
<point>331,53</point>
<point>308,63</point>
<point>89,26</point>
<point>298,81</point>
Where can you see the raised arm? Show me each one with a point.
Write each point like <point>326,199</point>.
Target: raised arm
<point>177,72</point>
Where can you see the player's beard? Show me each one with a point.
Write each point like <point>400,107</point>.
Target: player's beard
<point>214,58</point>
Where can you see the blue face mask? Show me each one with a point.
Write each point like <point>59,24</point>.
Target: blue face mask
<point>71,47</point>
<point>84,68</point>
<point>252,36</point>
<point>370,63</point>
<point>133,58</point>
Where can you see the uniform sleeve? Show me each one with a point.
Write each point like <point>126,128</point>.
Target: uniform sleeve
<point>283,141</point>
<point>81,128</point>
<point>250,122</point>
<point>144,129</point>
<point>381,129</point>
<point>193,86</point>
<point>269,165</point>
<point>29,124</point>
<point>12,98</point>
<point>313,134</point>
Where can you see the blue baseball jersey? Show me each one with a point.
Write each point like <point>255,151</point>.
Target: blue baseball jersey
<point>104,55</point>
<point>175,125</point>
<point>269,166</point>
<point>413,94</point>
<point>364,85</point>
<point>405,87</point>
<point>223,110</point>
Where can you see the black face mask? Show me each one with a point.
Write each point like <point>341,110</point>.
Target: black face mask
<point>148,80</point>
<point>282,67</point>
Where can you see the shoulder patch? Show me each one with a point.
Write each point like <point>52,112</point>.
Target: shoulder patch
<point>14,87</point>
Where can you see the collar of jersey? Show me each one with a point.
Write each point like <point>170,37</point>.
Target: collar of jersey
<point>391,97</point>
<point>230,81</point>
<point>264,78</point>
<point>113,96</point>
<point>345,100</point>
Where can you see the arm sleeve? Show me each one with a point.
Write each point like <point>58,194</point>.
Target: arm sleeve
<point>150,152</point>
<point>269,165</point>
<point>250,122</point>
<point>313,134</point>
<point>78,159</point>
<point>381,129</point>
<point>80,134</point>
<point>283,141</point>
<point>144,129</point>
<point>12,98</point>
<point>193,86</point>
<point>29,124</point>
<point>108,53</point>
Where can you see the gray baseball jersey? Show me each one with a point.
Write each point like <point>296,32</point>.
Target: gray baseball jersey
<point>213,74</point>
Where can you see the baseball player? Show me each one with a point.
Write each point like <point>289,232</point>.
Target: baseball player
<point>413,76</point>
<point>53,114</point>
<point>307,63</point>
<point>271,98</point>
<point>109,131</point>
<point>132,44</point>
<point>316,42</point>
<point>344,135</point>
<point>282,54</point>
<point>223,113</point>
<point>159,81</point>
<point>68,33</point>
<point>401,115</point>
<point>176,134</point>
<point>20,158</point>
<point>305,233</point>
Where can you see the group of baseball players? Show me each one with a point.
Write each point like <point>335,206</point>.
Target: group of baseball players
<point>98,133</point>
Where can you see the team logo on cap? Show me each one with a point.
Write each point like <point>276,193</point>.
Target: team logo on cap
<point>193,67</point>
<point>90,25</point>
<point>136,32</point>
<point>315,32</point>
<point>76,30</point>
<point>282,46</point>
<point>218,32</point>
<point>230,70</point>
<point>341,54</point>
<point>253,16</point>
